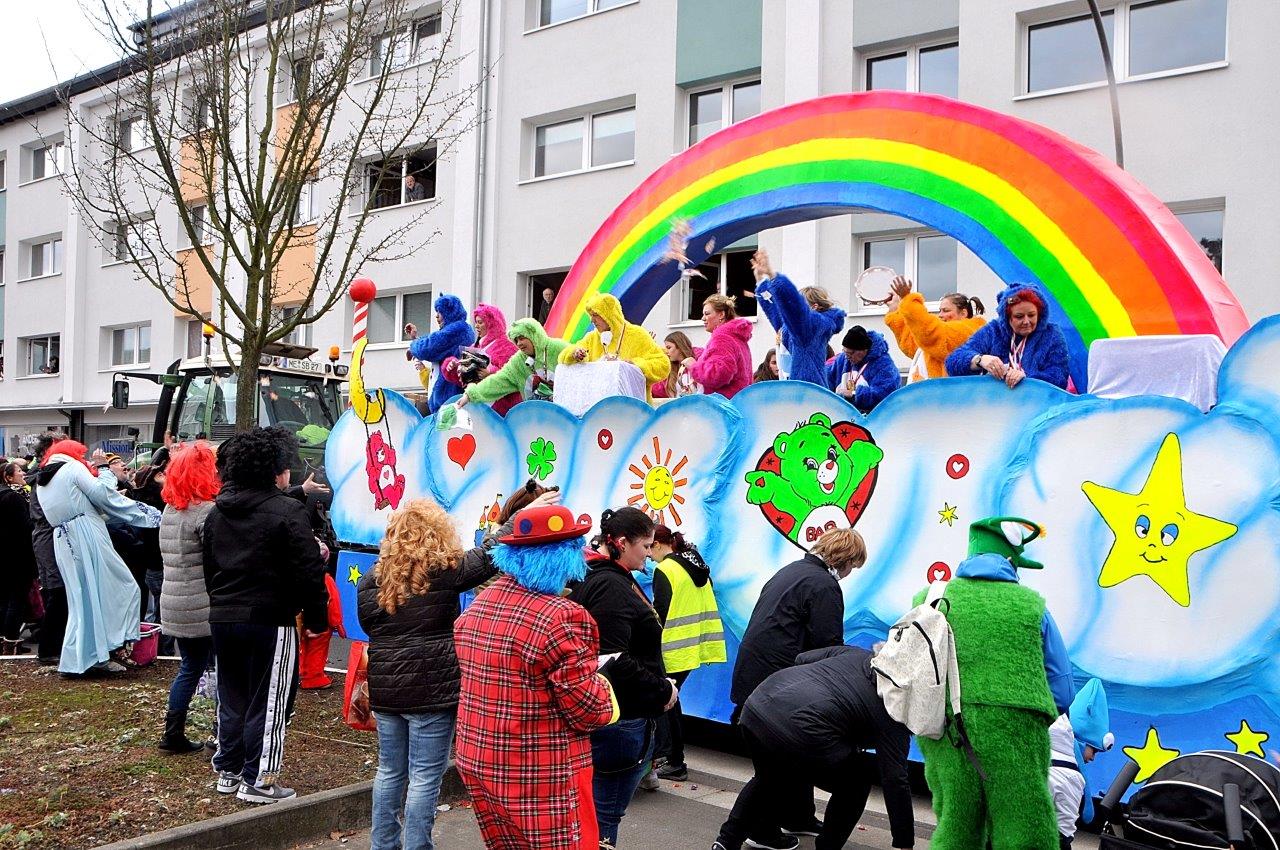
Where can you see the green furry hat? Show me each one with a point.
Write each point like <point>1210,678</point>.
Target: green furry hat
<point>1005,536</point>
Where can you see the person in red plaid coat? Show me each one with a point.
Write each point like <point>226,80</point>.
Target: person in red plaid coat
<point>531,692</point>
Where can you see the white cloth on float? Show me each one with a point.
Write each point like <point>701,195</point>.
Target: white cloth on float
<point>581,385</point>
<point>1178,366</point>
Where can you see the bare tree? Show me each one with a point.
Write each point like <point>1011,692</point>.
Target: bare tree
<point>272,128</point>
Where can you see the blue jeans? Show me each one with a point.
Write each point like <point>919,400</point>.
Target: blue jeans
<point>620,754</point>
<point>413,751</point>
<point>195,653</point>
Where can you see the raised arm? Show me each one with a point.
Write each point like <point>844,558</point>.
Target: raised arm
<point>111,502</point>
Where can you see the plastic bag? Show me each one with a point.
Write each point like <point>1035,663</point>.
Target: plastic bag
<point>356,711</point>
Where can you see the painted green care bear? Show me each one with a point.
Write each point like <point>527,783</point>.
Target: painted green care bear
<point>815,480</point>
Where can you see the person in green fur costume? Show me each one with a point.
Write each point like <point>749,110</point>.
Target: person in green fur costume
<point>530,371</point>
<point>1015,679</point>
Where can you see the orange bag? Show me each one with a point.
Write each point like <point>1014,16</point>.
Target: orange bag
<point>335,606</point>
<point>356,712</point>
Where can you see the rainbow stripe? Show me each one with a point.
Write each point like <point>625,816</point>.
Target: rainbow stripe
<point>1032,204</point>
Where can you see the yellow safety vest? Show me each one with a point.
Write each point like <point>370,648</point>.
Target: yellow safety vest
<point>693,634</point>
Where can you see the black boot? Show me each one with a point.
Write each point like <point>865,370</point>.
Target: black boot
<point>175,738</point>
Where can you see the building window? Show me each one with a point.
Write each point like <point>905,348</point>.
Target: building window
<point>128,240</point>
<point>128,134</point>
<point>537,285</point>
<point>300,335</point>
<point>199,215</point>
<point>300,77</point>
<point>306,210</point>
<point>46,161</point>
<point>195,337</point>
<point>131,346</point>
<point>931,69</point>
<point>3,162</point>
<point>389,314</point>
<point>1205,226</point>
<point>555,11</point>
<point>45,257</point>
<point>1145,38</point>
<point>929,259</point>
<point>406,46</point>
<point>604,138</point>
<point>1,267</point>
<point>713,109</point>
<point>401,179</point>
<point>726,273</point>
<point>41,353</point>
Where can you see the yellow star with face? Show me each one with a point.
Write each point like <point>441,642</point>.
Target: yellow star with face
<point>1247,741</point>
<point>353,574</point>
<point>948,515</point>
<point>1150,756</point>
<point>1156,533</point>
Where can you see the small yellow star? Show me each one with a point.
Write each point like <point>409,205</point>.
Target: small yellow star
<point>353,574</point>
<point>948,515</point>
<point>1150,756</point>
<point>1156,533</point>
<point>1247,741</point>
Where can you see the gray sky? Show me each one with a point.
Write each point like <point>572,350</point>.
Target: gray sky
<point>48,41</point>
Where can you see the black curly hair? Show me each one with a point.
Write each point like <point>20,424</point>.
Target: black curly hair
<point>253,459</point>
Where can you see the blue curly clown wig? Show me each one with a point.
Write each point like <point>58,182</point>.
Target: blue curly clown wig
<point>543,569</point>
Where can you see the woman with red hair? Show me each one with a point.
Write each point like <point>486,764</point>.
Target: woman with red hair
<point>1020,343</point>
<point>190,484</point>
<point>102,597</point>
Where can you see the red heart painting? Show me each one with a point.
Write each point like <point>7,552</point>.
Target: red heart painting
<point>846,434</point>
<point>461,449</point>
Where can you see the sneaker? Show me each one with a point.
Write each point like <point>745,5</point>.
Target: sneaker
<point>650,782</point>
<point>228,782</point>
<point>718,845</point>
<point>267,794</point>
<point>813,828</point>
<point>782,842</point>
<point>674,772</point>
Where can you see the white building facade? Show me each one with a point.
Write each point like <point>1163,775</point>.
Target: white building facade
<point>587,97</point>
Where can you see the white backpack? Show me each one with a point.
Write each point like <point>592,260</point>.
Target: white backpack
<point>917,670</point>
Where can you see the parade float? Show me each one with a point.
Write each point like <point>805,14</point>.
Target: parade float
<point>1162,549</point>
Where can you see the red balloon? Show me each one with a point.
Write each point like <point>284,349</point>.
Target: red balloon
<point>363,290</point>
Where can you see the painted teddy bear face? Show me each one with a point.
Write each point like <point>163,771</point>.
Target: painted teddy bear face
<point>816,466</point>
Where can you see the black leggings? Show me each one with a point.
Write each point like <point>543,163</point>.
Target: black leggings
<point>13,609</point>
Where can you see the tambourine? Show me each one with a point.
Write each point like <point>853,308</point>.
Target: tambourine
<point>874,280</point>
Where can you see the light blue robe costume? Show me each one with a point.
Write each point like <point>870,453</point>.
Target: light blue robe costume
<point>102,597</point>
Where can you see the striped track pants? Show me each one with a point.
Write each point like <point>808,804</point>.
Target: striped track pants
<point>257,682</point>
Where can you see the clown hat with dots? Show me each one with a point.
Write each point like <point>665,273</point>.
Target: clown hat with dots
<point>545,524</point>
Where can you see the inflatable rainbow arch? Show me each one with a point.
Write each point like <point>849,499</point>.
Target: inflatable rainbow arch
<point>1030,203</point>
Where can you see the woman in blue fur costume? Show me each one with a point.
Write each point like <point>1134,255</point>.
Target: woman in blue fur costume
<point>452,333</point>
<point>1020,343</point>
<point>805,320</point>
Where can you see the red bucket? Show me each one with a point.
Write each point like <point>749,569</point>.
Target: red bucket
<point>147,646</point>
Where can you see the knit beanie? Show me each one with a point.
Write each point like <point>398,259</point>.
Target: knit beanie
<point>856,339</point>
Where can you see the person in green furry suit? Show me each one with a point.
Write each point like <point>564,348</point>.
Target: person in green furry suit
<point>1015,679</point>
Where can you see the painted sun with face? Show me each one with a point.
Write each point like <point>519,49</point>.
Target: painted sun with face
<point>1156,533</point>
<point>658,484</point>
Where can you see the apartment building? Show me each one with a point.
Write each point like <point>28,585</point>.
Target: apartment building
<point>587,97</point>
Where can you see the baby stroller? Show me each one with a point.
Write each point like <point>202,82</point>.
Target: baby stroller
<point>1207,799</point>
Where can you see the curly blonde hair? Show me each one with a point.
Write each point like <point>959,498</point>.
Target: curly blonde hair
<point>420,543</point>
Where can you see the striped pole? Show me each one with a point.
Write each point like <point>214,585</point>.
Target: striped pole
<point>369,409</point>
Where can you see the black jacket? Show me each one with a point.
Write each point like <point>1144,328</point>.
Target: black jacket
<point>693,564</point>
<point>42,535</point>
<point>15,530</point>
<point>827,708</point>
<point>628,625</point>
<point>413,668</point>
<point>800,608</point>
<point>261,562</point>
